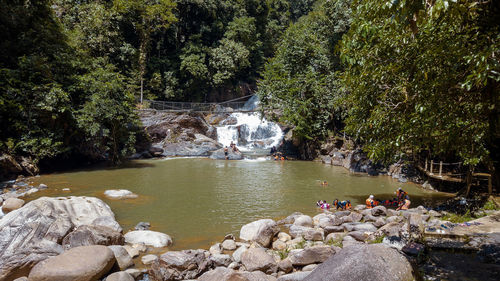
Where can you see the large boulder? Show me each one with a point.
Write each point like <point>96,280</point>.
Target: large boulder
<point>261,231</point>
<point>80,263</point>
<point>364,262</point>
<point>123,259</point>
<point>32,233</point>
<point>310,255</point>
<point>379,211</point>
<point>226,274</point>
<point>303,221</point>
<point>148,237</point>
<point>180,265</point>
<point>257,259</point>
<point>12,204</point>
<point>86,235</point>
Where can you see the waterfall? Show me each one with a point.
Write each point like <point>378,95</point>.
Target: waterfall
<point>249,131</point>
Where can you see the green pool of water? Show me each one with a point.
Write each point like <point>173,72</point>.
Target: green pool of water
<point>197,201</point>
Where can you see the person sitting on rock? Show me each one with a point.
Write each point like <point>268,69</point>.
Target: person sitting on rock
<point>325,206</point>
<point>370,203</point>
<point>319,203</point>
<point>226,152</point>
<point>348,206</point>
<point>405,205</point>
<point>335,204</point>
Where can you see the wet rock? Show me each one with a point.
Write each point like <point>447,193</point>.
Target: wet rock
<point>51,219</point>
<point>142,226</point>
<point>148,237</point>
<point>310,255</point>
<point>296,276</point>
<point>149,259</point>
<point>120,194</point>
<point>86,235</point>
<point>229,245</point>
<point>379,211</point>
<point>123,259</point>
<point>379,263</point>
<point>42,186</point>
<point>308,233</point>
<point>120,276</point>
<point>226,274</point>
<point>257,259</point>
<point>303,221</point>
<point>180,265</point>
<point>232,155</point>
<point>12,204</point>
<point>261,231</point>
<point>81,263</point>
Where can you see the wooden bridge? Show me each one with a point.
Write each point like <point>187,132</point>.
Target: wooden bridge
<point>230,106</point>
<point>454,172</point>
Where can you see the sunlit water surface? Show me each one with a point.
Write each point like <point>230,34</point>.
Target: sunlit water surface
<point>197,201</point>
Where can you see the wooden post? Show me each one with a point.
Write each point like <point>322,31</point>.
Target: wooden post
<point>440,167</point>
<point>425,169</point>
<point>432,163</point>
<point>490,185</point>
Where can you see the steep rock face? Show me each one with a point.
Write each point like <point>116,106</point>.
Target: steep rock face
<point>35,231</point>
<point>179,134</point>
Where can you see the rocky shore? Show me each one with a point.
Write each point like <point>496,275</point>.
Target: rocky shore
<point>69,238</point>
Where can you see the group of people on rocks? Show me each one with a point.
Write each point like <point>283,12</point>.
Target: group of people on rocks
<point>277,155</point>
<point>233,147</point>
<point>401,202</point>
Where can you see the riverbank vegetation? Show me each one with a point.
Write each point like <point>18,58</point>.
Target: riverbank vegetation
<point>402,78</point>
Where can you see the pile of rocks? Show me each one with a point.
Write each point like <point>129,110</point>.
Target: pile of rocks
<point>312,248</point>
<point>68,237</point>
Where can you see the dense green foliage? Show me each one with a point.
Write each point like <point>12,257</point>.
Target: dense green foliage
<point>414,77</point>
<point>57,100</point>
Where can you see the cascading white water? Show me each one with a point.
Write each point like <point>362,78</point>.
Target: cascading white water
<point>249,131</point>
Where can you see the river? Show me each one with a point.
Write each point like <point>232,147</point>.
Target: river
<point>197,201</point>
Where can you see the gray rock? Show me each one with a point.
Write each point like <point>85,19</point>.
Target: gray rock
<point>221,260</point>
<point>279,245</point>
<point>132,251</point>
<point>120,194</point>
<point>394,219</point>
<point>86,235</point>
<point>435,214</point>
<point>226,274</point>
<point>142,226</point>
<point>308,233</point>
<point>365,227</point>
<point>123,259</point>
<point>257,259</point>
<point>149,259</point>
<point>391,212</point>
<point>355,217</point>
<point>237,254</point>
<point>296,276</point>
<point>349,241</point>
<point>379,222</point>
<point>416,226</point>
<point>148,237</point>
<point>232,155</point>
<point>261,231</point>
<point>359,235</point>
<point>282,236</point>
<point>215,249</point>
<point>285,265</point>
<point>390,229</point>
<point>340,214</point>
<point>42,186</point>
<point>378,263</point>
<point>180,265</point>
<point>310,255</point>
<point>359,207</point>
<point>107,221</point>
<point>335,236</point>
<point>331,229</point>
<point>303,221</point>
<point>31,234</point>
<point>24,278</point>
<point>229,245</point>
<point>12,204</point>
<point>290,219</point>
<point>120,276</point>
<point>80,263</point>
<point>379,211</point>
<point>134,272</point>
